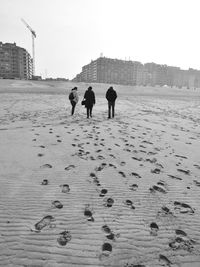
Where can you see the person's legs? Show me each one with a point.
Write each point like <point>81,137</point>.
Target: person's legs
<point>91,111</point>
<point>73,107</point>
<point>109,109</point>
<point>113,109</point>
<point>88,111</point>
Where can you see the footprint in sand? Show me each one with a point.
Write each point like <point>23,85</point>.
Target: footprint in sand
<point>112,156</point>
<point>154,160</point>
<point>112,165</point>
<point>46,221</point>
<point>40,155</point>
<point>127,149</point>
<point>138,159</point>
<point>196,183</point>
<point>154,229</point>
<point>57,204</point>
<point>46,166</point>
<point>161,183</point>
<point>155,188</point>
<point>45,182</point>
<point>92,175</point>
<point>88,214</point>
<point>135,174</point>
<point>133,187</point>
<point>163,259</point>
<point>100,157</point>
<point>184,171</point>
<point>109,234</point>
<point>64,238</point>
<point>174,177</point>
<point>156,170</point>
<point>182,242</point>
<point>65,188</point>
<point>165,210</point>
<point>106,249</point>
<point>103,192</point>
<point>69,167</point>
<point>129,203</point>
<point>108,202</point>
<point>183,207</point>
<point>152,153</point>
<point>197,166</point>
<point>106,229</point>
<point>101,167</point>
<point>95,179</point>
<point>180,232</point>
<point>117,145</point>
<point>122,174</point>
<point>179,156</point>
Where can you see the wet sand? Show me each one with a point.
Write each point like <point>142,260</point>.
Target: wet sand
<point>99,192</point>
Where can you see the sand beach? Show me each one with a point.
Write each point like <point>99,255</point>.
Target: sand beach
<point>123,192</point>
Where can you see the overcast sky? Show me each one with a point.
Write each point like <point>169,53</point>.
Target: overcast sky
<point>71,33</point>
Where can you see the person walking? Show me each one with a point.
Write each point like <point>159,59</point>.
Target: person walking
<point>111,96</point>
<point>89,97</point>
<point>73,97</point>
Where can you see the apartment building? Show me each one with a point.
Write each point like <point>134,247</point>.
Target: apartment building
<point>15,62</point>
<point>126,72</point>
<point>107,70</point>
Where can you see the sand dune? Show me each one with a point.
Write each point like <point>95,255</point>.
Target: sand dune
<point>98,192</point>
<point>60,87</point>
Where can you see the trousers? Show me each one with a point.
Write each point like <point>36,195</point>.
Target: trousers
<point>111,109</point>
<point>89,110</point>
<point>73,103</point>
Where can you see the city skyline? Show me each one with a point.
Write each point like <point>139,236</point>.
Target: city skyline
<point>72,33</point>
<point>115,71</point>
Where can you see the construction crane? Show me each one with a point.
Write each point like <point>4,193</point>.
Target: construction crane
<point>33,45</point>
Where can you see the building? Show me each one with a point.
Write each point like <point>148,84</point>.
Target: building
<point>15,62</point>
<point>107,70</point>
<point>126,72</point>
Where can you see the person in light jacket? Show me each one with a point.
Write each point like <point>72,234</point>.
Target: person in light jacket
<point>73,97</point>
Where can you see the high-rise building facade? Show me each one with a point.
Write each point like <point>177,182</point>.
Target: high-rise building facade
<point>107,70</point>
<point>15,62</point>
<point>126,72</point>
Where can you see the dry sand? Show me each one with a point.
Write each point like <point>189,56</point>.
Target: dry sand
<point>98,192</point>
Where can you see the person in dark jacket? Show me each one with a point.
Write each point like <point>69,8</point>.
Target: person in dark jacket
<point>89,97</point>
<point>111,96</point>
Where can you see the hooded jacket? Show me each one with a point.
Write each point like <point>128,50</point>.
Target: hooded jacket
<point>111,95</point>
<point>89,98</point>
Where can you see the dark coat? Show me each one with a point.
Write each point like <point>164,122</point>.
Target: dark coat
<point>111,95</point>
<point>89,98</point>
